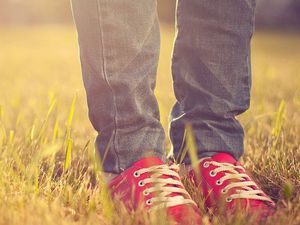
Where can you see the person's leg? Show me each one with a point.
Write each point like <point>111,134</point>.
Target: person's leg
<point>211,73</point>
<point>119,46</point>
<point>119,49</point>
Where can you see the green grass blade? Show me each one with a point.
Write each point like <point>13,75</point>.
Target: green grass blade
<point>68,154</point>
<point>71,114</point>
<point>192,148</point>
<point>69,140</point>
<point>279,119</point>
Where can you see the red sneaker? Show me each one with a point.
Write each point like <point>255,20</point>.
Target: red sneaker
<point>225,183</point>
<point>155,185</point>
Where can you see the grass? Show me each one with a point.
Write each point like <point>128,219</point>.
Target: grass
<point>48,171</point>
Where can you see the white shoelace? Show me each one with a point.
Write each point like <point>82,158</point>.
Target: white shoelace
<point>241,181</point>
<point>162,187</point>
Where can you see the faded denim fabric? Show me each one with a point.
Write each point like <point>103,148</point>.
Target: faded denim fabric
<point>212,74</point>
<point>119,46</point>
<point>119,49</point>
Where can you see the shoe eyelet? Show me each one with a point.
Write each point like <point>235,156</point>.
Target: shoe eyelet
<point>136,174</point>
<point>145,192</point>
<point>218,182</point>
<point>229,199</point>
<point>212,173</point>
<point>141,183</point>
<point>149,202</point>
<point>223,191</point>
<point>206,165</point>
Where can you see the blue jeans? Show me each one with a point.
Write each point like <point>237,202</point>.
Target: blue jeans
<point>119,48</point>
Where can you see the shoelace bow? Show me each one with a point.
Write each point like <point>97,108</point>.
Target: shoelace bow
<point>164,187</point>
<point>239,180</point>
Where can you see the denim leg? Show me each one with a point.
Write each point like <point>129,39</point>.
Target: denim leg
<point>212,74</point>
<point>119,49</point>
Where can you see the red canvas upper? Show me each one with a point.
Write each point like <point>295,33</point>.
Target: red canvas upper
<point>221,190</point>
<point>145,181</point>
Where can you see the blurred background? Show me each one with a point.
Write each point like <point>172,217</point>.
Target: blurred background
<point>39,57</point>
<point>39,60</point>
<point>43,110</point>
<point>270,13</point>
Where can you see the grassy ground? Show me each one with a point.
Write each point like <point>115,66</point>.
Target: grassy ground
<point>48,173</point>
